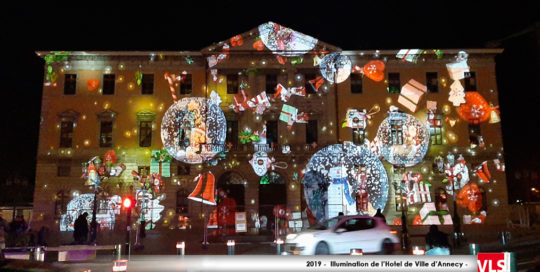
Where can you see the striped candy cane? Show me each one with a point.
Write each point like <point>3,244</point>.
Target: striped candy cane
<point>173,79</point>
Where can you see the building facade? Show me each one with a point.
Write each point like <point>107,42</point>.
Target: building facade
<point>94,102</point>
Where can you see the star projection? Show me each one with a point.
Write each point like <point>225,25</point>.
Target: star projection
<point>348,171</point>
<point>193,130</point>
<point>284,41</point>
<point>402,139</point>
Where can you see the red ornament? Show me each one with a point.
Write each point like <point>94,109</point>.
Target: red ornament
<point>92,84</point>
<point>397,221</point>
<point>259,45</point>
<point>237,41</point>
<point>470,197</point>
<point>417,221</point>
<point>475,109</point>
<point>374,70</point>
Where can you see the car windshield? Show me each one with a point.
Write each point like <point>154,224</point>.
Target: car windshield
<point>326,224</point>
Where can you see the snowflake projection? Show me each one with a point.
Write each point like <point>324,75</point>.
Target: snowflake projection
<point>360,169</point>
<point>335,66</point>
<point>107,209</point>
<point>285,41</point>
<point>402,139</point>
<point>193,130</point>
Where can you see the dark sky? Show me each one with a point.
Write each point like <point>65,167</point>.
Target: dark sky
<point>164,26</point>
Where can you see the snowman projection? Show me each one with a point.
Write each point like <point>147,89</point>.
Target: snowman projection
<point>344,178</point>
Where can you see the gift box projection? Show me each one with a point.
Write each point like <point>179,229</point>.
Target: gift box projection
<point>301,124</point>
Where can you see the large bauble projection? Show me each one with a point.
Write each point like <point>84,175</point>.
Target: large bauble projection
<point>335,67</point>
<point>193,130</point>
<point>284,41</point>
<point>353,168</point>
<point>402,139</point>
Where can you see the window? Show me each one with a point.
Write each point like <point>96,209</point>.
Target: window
<point>474,134</point>
<point>232,84</point>
<point>356,83</point>
<point>396,130</point>
<point>66,134</point>
<point>394,83</point>
<point>232,133</point>
<point>358,136</point>
<point>60,202</point>
<point>432,82</point>
<point>271,83</point>
<point>470,82</point>
<point>435,131</point>
<point>358,224</point>
<point>271,133</point>
<point>70,84</point>
<point>145,133</point>
<point>187,85</point>
<point>182,201</point>
<point>183,169</point>
<point>105,134</point>
<point>311,131</point>
<point>108,84</point>
<point>143,170</point>
<point>63,170</point>
<point>147,86</point>
<point>310,88</point>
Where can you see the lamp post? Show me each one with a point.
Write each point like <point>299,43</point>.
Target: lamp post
<point>457,222</point>
<point>400,169</point>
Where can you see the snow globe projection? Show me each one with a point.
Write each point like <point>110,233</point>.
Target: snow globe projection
<point>344,178</point>
<point>284,41</point>
<point>193,130</point>
<point>335,66</point>
<point>402,139</point>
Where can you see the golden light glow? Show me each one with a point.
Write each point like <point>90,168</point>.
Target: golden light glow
<point>107,105</point>
<point>120,79</point>
<point>388,100</point>
<point>86,142</point>
<point>83,116</point>
<point>127,133</point>
<point>376,107</point>
<point>131,86</point>
<point>447,109</point>
<point>452,137</point>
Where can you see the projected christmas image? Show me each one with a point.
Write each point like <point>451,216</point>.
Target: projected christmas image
<point>193,130</point>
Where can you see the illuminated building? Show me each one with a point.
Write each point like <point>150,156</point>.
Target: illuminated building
<point>97,104</point>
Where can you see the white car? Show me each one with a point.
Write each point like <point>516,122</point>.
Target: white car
<point>340,234</point>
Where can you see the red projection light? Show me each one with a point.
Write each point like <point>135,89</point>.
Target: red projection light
<point>127,203</point>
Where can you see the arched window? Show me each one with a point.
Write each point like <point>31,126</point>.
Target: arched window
<point>60,202</point>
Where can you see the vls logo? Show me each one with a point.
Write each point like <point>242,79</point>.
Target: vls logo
<point>494,262</point>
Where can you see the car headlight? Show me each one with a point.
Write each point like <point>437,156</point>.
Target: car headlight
<point>291,236</point>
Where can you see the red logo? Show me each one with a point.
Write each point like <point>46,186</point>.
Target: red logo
<point>493,262</point>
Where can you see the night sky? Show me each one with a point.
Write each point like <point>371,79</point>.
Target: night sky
<point>366,25</point>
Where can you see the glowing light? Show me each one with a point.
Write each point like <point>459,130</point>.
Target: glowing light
<point>388,100</point>
<point>127,133</point>
<point>252,201</point>
<point>131,86</point>
<point>121,66</point>
<point>447,109</point>
<point>495,202</point>
<point>120,79</point>
<point>106,105</point>
<point>83,117</point>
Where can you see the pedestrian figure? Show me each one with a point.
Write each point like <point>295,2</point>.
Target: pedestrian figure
<point>379,214</point>
<point>80,234</point>
<point>3,230</point>
<point>17,229</point>
<point>437,242</point>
